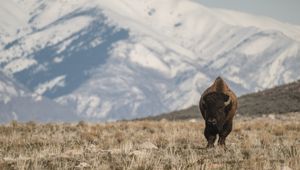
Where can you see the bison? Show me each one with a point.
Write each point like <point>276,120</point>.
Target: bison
<point>218,105</point>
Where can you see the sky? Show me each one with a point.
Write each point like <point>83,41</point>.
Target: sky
<point>282,10</point>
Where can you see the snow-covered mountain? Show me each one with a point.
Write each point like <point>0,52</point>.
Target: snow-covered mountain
<point>112,59</point>
<point>17,103</point>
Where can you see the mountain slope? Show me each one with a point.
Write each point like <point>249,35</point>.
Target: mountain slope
<point>114,59</point>
<point>17,103</point>
<point>279,100</point>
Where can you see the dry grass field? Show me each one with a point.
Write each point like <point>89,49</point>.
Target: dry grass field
<point>270,142</point>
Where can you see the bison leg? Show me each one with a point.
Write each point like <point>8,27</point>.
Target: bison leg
<point>224,133</point>
<point>210,137</point>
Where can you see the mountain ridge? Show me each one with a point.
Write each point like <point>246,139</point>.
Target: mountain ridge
<point>277,100</point>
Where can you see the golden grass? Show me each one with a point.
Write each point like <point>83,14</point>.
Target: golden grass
<point>255,143</point>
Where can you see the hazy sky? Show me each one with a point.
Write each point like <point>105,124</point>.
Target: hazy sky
<point>283,10</point>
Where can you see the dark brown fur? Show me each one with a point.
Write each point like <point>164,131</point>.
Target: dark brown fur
<point>218,116</point>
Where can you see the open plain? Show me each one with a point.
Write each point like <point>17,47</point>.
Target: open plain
<point>265,142</point>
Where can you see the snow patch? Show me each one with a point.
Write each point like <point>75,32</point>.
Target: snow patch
<point>7,89</point>
<point>58,59</point>
<point>15,116</point>
<point>257,46</point>
<point>56,82</point>
<point>19,64</point>
<point>144,57</point>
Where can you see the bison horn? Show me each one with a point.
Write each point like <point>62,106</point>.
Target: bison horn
<point>227,102</point>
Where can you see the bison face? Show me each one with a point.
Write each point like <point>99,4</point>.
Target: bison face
<point>216,106</point>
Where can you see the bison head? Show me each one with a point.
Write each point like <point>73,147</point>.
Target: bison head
<point>216,106</point>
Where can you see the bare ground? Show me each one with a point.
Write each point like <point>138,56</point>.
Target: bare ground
<point>270,142</point>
